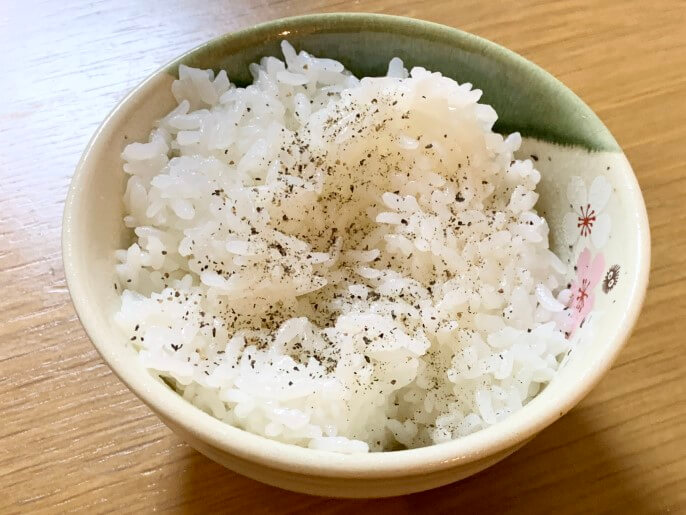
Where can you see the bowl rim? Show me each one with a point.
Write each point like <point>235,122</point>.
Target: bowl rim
<point>517,428</point>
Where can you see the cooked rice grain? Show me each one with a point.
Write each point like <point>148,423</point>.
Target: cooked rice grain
<point>343,264</point>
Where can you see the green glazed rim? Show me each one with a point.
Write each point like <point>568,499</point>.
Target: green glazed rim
<point>527,98</point>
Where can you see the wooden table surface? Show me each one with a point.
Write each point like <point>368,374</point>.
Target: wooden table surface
<point>72,437</point>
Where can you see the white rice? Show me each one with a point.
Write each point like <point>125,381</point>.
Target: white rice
<point>343,264</point>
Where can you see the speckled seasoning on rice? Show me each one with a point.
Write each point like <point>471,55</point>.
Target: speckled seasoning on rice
<point>342,264</point>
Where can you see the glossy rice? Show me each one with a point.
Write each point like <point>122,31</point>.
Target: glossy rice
<point>344,264</point>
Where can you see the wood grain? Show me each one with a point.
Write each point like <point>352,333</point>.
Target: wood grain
<point>72,438</point>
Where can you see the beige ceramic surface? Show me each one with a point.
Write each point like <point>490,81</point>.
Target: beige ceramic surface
<point>93,230</point>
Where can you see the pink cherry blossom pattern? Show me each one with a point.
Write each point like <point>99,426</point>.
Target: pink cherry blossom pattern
<point>581,295</point>
<point>587,220</point>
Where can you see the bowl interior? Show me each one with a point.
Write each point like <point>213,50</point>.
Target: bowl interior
<point>585,179</point>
